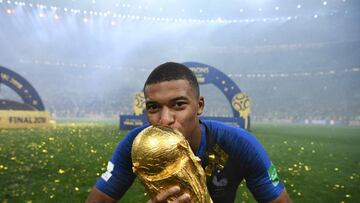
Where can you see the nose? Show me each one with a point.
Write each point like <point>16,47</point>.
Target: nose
<point>167,117</point>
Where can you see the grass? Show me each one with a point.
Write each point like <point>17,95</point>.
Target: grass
<point>317,163</point>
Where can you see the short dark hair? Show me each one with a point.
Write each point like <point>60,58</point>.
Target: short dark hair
<point>173,71</point>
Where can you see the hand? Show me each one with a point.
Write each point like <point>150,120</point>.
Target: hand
<point>164,195</point>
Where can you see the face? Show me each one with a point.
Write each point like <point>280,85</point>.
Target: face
<point>175,104</point>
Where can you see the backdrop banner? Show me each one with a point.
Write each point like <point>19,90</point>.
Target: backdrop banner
<point>205,74</point>
<point>25,119</point>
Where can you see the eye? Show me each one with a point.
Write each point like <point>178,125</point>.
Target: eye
<point>179,104</point>
<point>152,107</point>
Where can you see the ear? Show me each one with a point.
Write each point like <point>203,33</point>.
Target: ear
<point>201,105</point>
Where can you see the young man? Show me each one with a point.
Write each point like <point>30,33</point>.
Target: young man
<point>228,154</point>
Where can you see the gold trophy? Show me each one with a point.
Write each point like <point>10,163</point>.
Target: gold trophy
<point>162,158</point>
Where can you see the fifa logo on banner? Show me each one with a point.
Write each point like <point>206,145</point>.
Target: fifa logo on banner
<point>241,103</point>
<point>139,104</point>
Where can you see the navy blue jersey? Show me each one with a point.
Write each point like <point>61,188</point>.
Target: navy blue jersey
<point>229,156</point>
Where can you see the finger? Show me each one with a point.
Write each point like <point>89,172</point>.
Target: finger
<point>184,198</point>
<point>162,196</point>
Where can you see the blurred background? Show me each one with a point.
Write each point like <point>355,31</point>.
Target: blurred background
<point>299,61</point>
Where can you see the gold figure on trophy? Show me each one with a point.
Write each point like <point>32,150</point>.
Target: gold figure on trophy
<point>163,158</point>
<point>241,103</point>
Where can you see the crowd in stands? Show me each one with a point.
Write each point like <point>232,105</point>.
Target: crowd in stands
<point>326,98</point>
<point>292,99</point>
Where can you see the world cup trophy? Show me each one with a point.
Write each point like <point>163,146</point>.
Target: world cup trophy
<point>162,158</point>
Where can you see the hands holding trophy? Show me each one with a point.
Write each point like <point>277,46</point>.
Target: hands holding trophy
<point>166,166</point>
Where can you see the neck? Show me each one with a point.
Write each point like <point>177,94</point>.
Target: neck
<point>196,139</point>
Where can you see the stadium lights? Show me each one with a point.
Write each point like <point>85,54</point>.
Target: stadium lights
<point>41,6</point>
<point>219,20</point>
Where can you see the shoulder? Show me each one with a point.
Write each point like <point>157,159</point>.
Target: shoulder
<point>119,176</point>
<point>224,133</point>
<point>131,135</point>
<point>234,140</point>
<point>220,127</point>
<point>126,143</point>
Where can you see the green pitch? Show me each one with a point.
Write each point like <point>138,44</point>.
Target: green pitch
<point>317,164</point>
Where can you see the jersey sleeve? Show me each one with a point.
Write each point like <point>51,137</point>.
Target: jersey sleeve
<point>261,175</point>
<point>253,163</point>
<point>118,177</point>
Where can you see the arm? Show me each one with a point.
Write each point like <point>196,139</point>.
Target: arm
<point>118,177</point>
<point>283,198</point>
<point>261,174</point>
<point>96,196</point>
